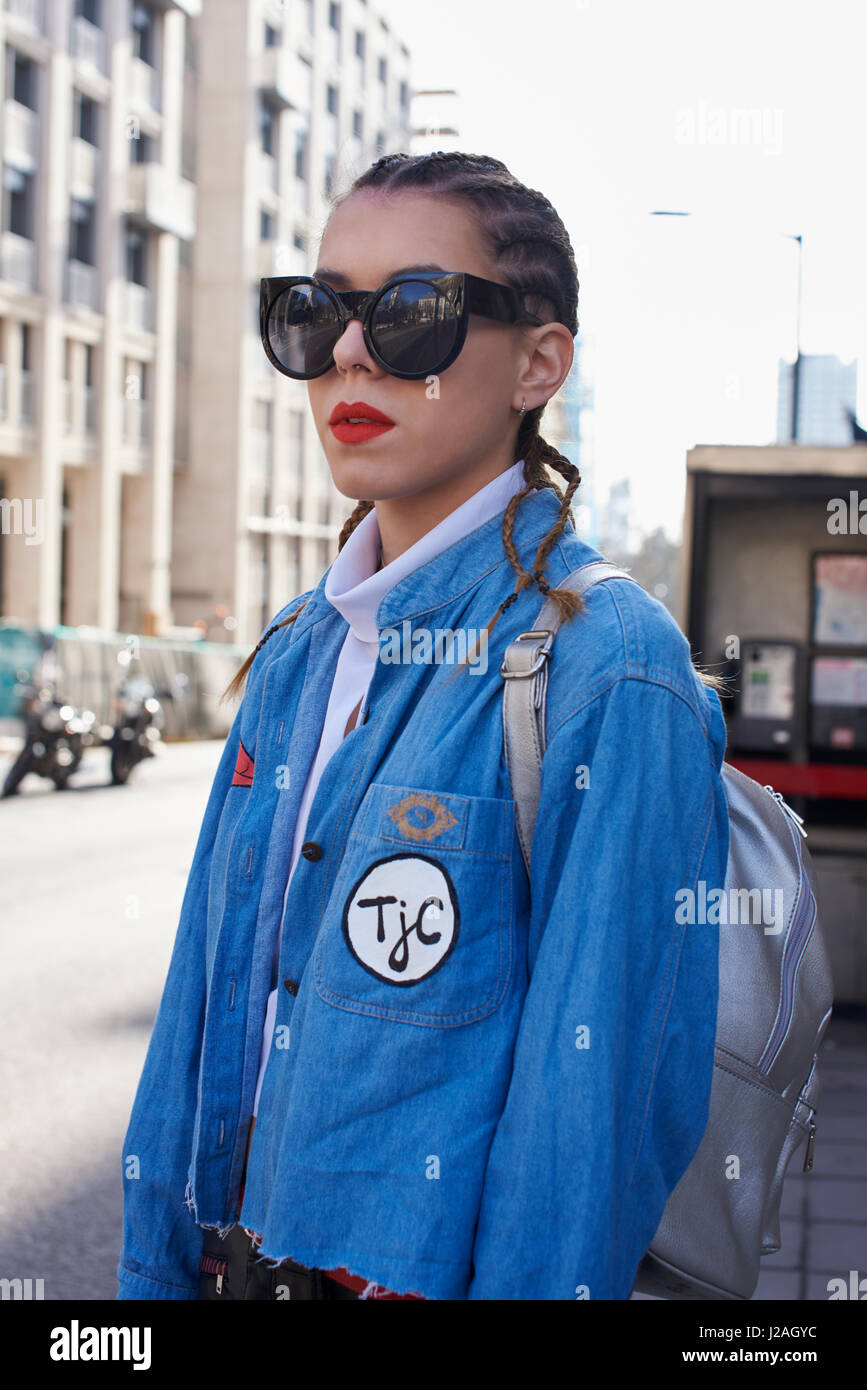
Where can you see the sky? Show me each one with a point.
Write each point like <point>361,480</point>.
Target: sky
<point>751,116</point>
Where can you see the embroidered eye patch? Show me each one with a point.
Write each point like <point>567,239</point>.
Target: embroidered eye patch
<point>401,920</point>
<point>421,816</point>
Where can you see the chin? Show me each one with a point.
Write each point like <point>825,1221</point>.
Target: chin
<point>373,480</point>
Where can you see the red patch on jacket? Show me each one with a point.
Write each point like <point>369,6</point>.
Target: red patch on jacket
<point>243,769</point>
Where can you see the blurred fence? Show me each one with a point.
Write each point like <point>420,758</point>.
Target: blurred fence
<point>195,672</point>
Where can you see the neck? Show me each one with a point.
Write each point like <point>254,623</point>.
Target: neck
<point>404,520</point>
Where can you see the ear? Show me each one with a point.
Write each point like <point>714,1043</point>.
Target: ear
<point>546,362</point>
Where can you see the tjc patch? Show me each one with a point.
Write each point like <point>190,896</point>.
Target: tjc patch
<point>401,920</point>
<point>421,816</point>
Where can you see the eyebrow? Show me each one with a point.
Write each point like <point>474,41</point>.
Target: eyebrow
<point>338,277</point>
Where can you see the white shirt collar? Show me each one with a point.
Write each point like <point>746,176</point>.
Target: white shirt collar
<point>355,587</point>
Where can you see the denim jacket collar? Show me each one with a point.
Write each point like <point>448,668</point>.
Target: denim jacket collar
<point>455,570</point>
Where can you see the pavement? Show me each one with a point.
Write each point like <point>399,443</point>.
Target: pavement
<point>823,1226</point>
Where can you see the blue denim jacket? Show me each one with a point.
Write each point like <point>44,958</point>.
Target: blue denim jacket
<point>481,1086</point>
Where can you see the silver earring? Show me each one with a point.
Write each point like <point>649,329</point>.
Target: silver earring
<point>523,408</point>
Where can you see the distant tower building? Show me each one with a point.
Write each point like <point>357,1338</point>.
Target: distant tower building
<point>616,521</point>
<point>826,392</point>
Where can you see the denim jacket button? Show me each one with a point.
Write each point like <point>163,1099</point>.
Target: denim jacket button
<point>292,986</point>
<point>311,850</point>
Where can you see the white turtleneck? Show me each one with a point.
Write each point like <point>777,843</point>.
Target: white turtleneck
<point>355,587</point>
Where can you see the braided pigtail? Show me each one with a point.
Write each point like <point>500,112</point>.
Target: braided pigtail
<point>236,684</point>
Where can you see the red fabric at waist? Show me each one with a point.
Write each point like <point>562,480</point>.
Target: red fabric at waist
<point>355,1281</point>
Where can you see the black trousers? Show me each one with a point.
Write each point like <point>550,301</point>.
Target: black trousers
<point>230,1270</point>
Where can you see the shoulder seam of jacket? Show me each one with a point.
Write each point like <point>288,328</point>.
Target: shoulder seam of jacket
<point>614,674</point>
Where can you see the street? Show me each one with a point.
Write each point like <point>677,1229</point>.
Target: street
<point>90,895</point>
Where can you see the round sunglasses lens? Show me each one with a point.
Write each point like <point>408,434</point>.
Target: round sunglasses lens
<point>303,328</point>
<point>413,326</point>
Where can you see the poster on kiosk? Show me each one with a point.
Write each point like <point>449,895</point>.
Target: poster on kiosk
<point>838,663</point>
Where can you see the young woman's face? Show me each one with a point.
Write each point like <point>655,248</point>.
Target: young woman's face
<point>462,424</point>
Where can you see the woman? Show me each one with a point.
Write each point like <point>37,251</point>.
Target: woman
<point>468,1081</point>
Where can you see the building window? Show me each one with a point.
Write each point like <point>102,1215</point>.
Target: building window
<point>89,10</point>
<point>272,36</point>
<point>136,256</point>
<point>267,225</point>
<point>310,16</point>
<point>358,124</point>
<point>143,33</point>
<point>23,81</point>
<point>267,127</point>
<point>331,99</point>
<point>334,16</point>
<point>301,138</point>
<point>380,142</point>
<point>404,95</point>
<point>18,201</point>
<point>25,347</point>
<point>88,364</point>
<point>85,118</point>
<point>382,71</point>
<point>81,227</point>
<point>299,241</point>
<point>330,160</point>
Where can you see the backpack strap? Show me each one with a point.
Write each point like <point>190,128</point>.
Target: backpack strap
<point>525,673</point>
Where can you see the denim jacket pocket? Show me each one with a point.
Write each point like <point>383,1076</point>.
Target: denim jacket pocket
<point>419,923</point>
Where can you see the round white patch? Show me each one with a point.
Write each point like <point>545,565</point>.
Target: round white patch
<point>401,919</point>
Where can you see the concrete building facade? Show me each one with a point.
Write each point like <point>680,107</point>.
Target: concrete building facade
<point>159,156</point>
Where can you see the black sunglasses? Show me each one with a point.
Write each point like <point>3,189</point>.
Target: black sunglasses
<point>414,325</point>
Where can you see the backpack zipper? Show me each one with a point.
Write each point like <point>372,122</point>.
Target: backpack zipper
<point>784,806</point>
<point>793,950</point>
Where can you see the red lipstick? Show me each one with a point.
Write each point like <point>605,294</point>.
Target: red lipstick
<point>352,422</point>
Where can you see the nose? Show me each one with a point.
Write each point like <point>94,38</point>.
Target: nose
<point>351,348</point>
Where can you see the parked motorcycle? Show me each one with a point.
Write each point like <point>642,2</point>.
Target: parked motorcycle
<point>139,720</point>
<point>56,735</point>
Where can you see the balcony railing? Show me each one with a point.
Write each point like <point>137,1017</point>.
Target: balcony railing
<point>79,410</point>
<point>29,12</point>
<point>144,84</point>
<point>82,285</point>
<point>18,257</point>
<point>88,43</point>
<point>26,411</point>
<point>138,307</point>
<point>136,425</point>
<point>21,135</point>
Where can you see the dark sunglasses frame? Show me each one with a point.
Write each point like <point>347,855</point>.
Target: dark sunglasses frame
<point>467,294</point>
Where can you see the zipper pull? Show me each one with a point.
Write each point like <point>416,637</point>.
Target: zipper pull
<point>219,1283</point>
<point>808,1156</point>
<point>790,812</point>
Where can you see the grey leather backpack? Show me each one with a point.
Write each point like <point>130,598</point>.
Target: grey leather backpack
<point>775,998</point>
